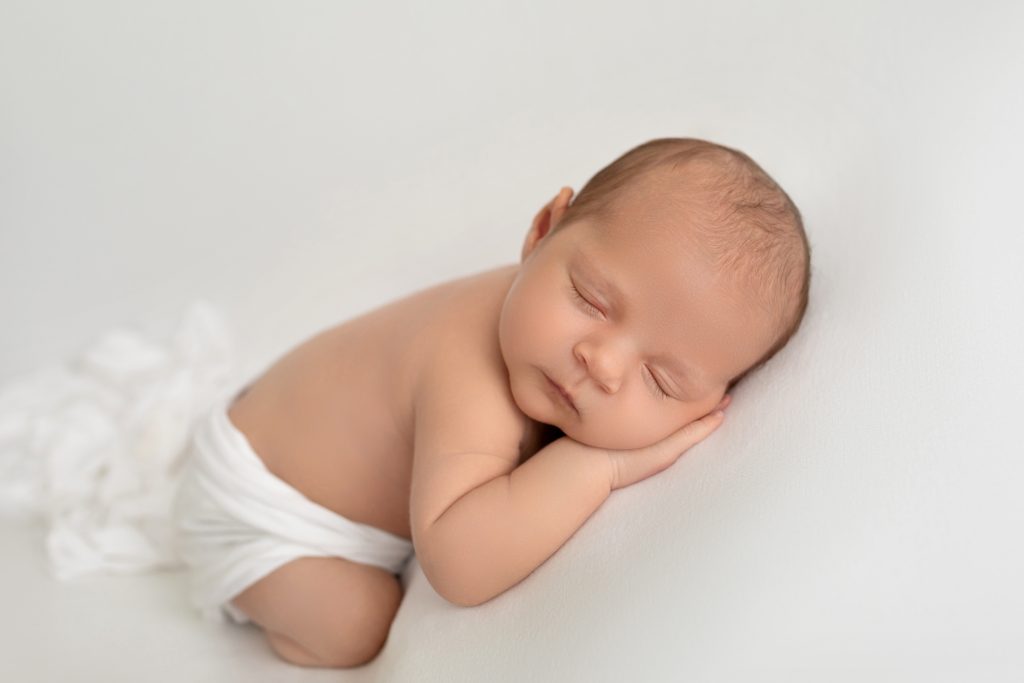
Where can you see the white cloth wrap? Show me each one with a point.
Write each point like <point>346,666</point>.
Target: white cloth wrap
<point>93,445</point>
<point>237,522</point>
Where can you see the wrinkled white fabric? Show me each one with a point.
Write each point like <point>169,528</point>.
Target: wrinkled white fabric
<point>237,522</point>
<point>95,445</point>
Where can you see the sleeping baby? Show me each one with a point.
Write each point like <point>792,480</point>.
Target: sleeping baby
<point>481,421</point>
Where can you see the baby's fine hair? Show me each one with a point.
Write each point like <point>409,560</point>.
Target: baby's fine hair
<point>748,225</point>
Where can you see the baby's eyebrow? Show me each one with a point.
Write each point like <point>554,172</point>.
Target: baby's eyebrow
<point>607,287</point>
<point>684,372</point>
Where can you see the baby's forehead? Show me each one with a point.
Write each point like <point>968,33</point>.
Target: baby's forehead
<point>611,263</point>
<point>665,228</point>
<point>619,257</point>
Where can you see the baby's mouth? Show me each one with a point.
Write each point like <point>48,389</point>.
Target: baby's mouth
<point>563,393</point>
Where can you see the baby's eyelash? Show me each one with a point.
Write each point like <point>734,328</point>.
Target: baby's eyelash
<point>664,394</point>
<point>583,300</point>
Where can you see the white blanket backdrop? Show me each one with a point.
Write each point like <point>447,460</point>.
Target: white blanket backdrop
<point>858,516</point>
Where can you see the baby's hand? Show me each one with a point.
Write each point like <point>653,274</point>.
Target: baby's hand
<point>631,466</point>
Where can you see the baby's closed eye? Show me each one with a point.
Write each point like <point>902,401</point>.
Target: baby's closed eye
<point>582,299</point>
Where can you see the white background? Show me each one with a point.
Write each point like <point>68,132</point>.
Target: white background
<point>857,518</point>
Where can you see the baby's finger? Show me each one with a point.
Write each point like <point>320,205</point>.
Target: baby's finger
<point>679,442</point>
<point>693,433</point>
<point>699,429</point>
<point>629,467</point>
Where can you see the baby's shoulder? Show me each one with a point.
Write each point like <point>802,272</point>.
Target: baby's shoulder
<point>474,303</point>
<point>461,393</point>
<point>461,334</point>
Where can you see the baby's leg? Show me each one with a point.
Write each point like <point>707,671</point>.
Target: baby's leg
<point>324,611</point>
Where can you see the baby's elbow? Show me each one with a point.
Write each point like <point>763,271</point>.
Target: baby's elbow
<point>463,600</point>
<point>443,576</point>
<point>451,571</point>
<point>462,591</point>
<point>466,598</point>
<point>454,589</point>
<point>447,582</point>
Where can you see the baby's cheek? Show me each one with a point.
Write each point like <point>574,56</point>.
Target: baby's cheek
<point>619,435</point>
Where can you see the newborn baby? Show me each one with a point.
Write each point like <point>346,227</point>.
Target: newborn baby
<point>483,420</point>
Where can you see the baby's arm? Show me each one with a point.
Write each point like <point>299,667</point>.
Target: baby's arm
<point>496,533</point>
<point>480,524</point>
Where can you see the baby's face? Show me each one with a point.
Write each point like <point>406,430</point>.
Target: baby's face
<point>631,322</point>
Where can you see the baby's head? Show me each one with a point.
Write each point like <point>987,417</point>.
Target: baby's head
<point>680,268</point>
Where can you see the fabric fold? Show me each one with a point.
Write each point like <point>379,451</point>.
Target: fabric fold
<point>237,521</point>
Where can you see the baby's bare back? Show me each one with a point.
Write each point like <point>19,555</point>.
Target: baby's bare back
<point>334,416</point>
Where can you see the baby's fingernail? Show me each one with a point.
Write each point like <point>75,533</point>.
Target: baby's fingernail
<point>718,414</point>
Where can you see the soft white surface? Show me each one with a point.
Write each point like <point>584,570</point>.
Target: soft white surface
<point>857,517</point>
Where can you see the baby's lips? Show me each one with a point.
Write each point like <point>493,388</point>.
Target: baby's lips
<point>726,400</point>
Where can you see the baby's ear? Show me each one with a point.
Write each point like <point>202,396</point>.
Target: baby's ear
<point>560,204</point>
<point>549,216</point>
